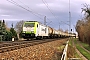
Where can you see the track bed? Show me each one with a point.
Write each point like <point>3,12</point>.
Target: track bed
<point>44,50</point>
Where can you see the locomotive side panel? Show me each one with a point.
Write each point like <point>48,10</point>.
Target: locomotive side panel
<point>43,30</point>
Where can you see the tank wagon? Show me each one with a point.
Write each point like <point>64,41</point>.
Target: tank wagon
<point>35,29</point>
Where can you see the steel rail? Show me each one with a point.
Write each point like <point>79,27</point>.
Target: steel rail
<point>9,46</point>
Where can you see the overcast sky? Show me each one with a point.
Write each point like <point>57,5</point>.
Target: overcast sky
<point>54,10</point>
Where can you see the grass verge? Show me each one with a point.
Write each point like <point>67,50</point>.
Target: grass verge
<point>86,46</point>
<point>71,50</point>
<point>82,51</point>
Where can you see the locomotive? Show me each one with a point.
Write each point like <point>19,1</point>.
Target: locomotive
<point>35,29</point>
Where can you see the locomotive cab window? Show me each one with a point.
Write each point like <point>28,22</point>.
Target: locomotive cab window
<point>29,24</point>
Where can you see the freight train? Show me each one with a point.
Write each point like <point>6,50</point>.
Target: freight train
<point>35,29</point>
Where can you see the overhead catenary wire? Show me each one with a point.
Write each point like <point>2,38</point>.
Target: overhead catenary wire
<point>49,8</point>
<point>15,3</point>
<point>34,13</point>
<point>52,12</point>
<point>65,23</point>
<point>30,8</point>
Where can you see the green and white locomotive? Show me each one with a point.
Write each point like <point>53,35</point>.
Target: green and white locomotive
<point>34,29</point>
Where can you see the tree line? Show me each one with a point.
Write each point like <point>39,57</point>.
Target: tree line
<point>83,25</point>
<point>6,34</point>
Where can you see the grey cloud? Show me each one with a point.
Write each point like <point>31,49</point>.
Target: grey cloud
<point>60,8</point>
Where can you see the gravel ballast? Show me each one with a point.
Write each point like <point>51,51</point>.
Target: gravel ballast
<point>45,51</point>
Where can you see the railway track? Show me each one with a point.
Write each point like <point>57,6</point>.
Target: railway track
<point>9,46</point>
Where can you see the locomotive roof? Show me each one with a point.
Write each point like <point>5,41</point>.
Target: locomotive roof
<point>31,21</point>
<point>36,21</point>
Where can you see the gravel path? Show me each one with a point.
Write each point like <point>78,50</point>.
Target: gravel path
<point>45,51</point>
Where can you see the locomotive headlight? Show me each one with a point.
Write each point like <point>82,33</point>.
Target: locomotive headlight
<point>24,31</point>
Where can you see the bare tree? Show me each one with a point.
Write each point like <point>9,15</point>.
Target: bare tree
<point>86,9</point>
<point>66,31</point>
<point>18,27</point>
<point>83,26</point>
